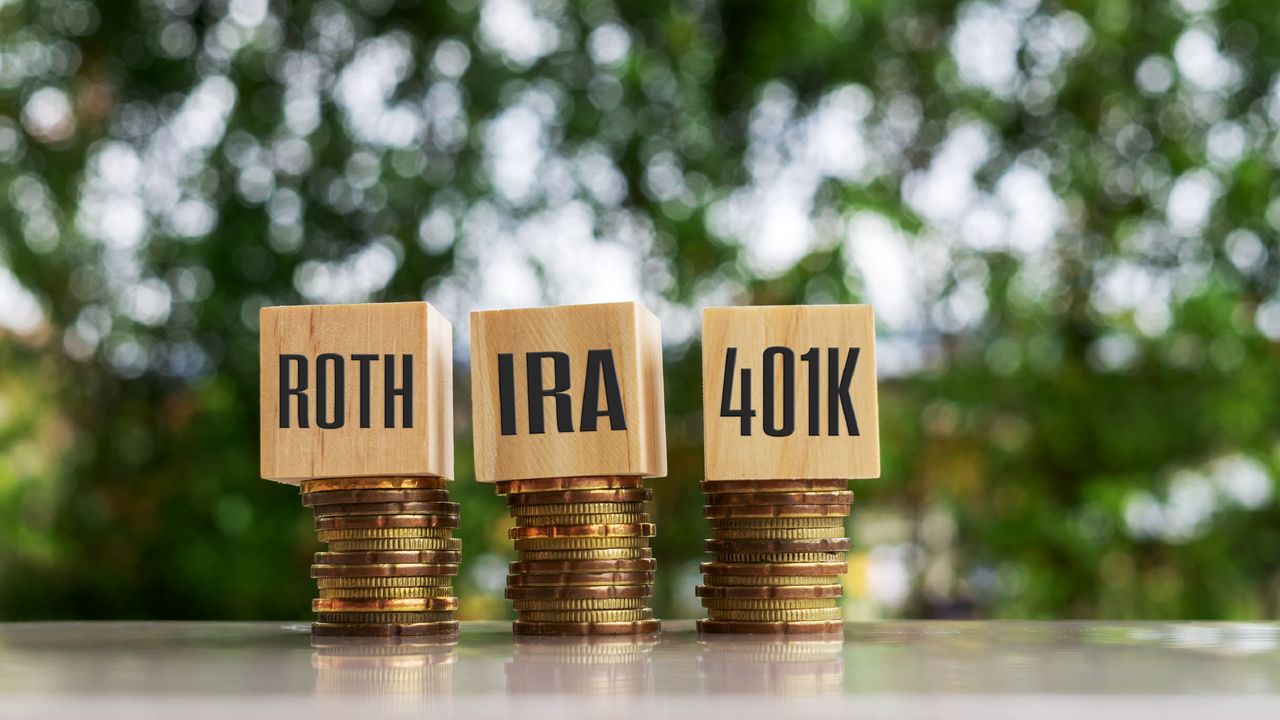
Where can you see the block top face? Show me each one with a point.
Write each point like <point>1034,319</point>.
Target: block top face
<point>355,391</point>
<point>790,392</point>
<point>567,391</point>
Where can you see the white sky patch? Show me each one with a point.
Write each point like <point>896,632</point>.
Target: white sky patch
<point>1203,66</point>
<point>789,158</point>
<point>1124,286</point>
<point>47,115</point>
<point>609,44</point>
<point>1194,497</point>
<point>1190,200</point>
<point>985,46</point>
<point>943,192</point>
<point>20,312</point>
<point>516,147</point>
<point>366,86</point>
<point>353,279</point>
<point>881,256</point>
<point>517,31</point>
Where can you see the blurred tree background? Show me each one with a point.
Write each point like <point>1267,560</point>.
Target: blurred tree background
<point>1062,212</point>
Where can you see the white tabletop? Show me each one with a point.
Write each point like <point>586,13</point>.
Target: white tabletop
<point>901,669</point>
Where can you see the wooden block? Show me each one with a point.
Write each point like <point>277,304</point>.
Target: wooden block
<point>356,391</point>
<point>567,391</point>
<point>810,407</point>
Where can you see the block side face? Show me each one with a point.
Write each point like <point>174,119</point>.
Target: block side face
<point>655,429</point>
<point>440,391</point>
<point>806,432</point>
<point>545,435</point>
<point>342,366</point>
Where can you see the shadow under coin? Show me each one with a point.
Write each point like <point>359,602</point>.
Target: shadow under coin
<point>805,666</point>
<point>392,672</point>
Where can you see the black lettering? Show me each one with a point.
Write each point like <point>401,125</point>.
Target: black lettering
<point>537,393</point>
<point>838,398</point>
<point>601,371</point>
<point>507,393</point>
<point>297,391</point>
<point>364,361</point>
<point>391,392</point>
<point>788,425</point>
<point>322,391</point>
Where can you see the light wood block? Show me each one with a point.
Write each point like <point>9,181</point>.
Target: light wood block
<point>368,390</point>
<point>600,410</point>
<point>808,429</point>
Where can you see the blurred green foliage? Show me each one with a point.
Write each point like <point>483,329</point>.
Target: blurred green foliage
<point>1063,212</point>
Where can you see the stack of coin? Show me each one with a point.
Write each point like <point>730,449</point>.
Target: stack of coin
<point>391,556</point>
<point>584,565</point>
<point>777,552</point>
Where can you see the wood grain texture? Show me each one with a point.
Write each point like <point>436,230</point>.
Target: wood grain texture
<point>731,456</point>
<point>627,329</point>
<point>297,453</point>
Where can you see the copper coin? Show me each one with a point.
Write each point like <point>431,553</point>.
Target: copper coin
<point>384,570</point>
<point>445,627</point>
<point>535,567</point>
<point>569,579</point>
<point>339,497</point>
<point>773,569</point>
<point>567,497</point>
<point>715,487</point>
<point>600,482</point>
<point>774,511</point>
<point>770,592</point>
<point>834,497</point>
<point>372,483</point>
<point>385,617</point>
<point>581,592</point>
<point>421,604</point>
<point>639,627</point>
<point>810,627</point>
<point>391,508</point>
<point>760,547</point>
<point>365,522</point>
<point>376,557</point>
<point>582,531</point>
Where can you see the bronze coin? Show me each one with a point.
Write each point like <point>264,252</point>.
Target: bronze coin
<point>366,522</point>
<point>639,627</point>
<point>535,567</point>
<point>773,569</point>
<point>582,531</point>
<point>834,497</point>
<point>572,520</point>
<point>384,570</point>
<point>372,483</point>
<point>715,487</point>
<point>389,508</point>
<point>810,627</point>
<point>581,592</point>
<point>341,497</point>
<point>376,557</point>
<point>588,604</point>
<point>541,544</point>
<point>385,617</point>
<point>420,604</point>
<point>761,547</point>
<point>600,482</point>
<point>568,497</point>
<point>777,557</point>
<point>589,554</point>
<point>774,511</point>
<point>770,592</point>
<point>570,579</point>
<point>445,627</point>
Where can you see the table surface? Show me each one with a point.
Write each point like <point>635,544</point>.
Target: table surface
<point>891,669</point>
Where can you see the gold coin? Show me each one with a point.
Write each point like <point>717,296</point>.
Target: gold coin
<point>378,582</point>
<point>593,482</point>
<point>775,511</point>
<point>385,592</point>
<point>606,508</point>
<point>386,508</point>
<point>322,570</point>
<point>575,616</point>
<point>383,533</point>
<point>613,579</point>
<point>773,523</point>
<point>813,533</point>
<point>376,544</point>
<point>807,628</point>
<point>718,580</point>
<point>383,617</point>
<point>385,522</point>
<point>585,604</point>
<point>372,483</point>
<point>551,532</point>
<point>770,592</point>
<point>638,627</point>
<point>771,604</point>
<point>564,520</point>
<point>773,569</point>
<point>805,614</point>
<point>417,604</point>
<point>579,543</point>
<point>776,557</point>
<point>593,554</point>
<point>715,487</point>
<point>343,497</point>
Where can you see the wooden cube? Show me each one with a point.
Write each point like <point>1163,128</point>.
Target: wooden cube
<point>567,391</point>
<point>356,390</point>
<point>790,392</point>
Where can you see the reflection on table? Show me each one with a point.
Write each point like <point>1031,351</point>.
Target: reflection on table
<point>795,666</point>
